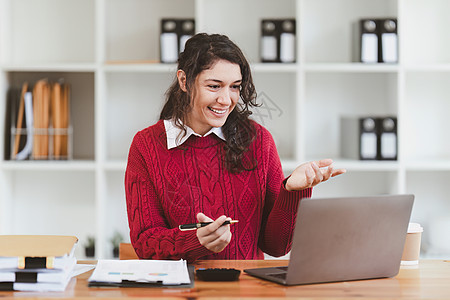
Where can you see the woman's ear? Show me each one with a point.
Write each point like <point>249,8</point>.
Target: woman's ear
<point>182,80</point>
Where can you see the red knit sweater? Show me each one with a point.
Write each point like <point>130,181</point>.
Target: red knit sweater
<point>165,188</point>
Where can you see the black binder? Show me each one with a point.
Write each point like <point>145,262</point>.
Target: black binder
<point>278,40</point>
<point>389,41</point>
<point>174,34</point>
<point>369,41</point>
<point>388,138</point>
<point>378,40</point>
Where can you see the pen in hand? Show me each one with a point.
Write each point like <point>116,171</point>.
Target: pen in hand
<point>202,224</point>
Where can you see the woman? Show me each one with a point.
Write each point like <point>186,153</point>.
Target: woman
<point>206,161</point>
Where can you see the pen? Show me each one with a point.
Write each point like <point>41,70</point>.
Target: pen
<point>202,224</point>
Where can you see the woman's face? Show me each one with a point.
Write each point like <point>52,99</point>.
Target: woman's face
<point>216,93</point>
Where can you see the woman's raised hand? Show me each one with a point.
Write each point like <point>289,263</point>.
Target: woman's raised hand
<point>311,174</point>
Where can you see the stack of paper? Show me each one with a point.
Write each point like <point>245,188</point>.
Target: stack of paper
<point>144,273</point>
<point>36,262</point>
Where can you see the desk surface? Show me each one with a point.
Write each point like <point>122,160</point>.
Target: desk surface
<point>430,279</point>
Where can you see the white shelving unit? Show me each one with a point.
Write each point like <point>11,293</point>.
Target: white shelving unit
<point>99,47</point>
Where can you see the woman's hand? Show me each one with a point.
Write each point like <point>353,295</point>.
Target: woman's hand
<point>311,174</point>
<point>214,237</point>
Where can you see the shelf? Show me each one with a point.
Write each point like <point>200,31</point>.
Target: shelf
<point>139,67</point>
<point>48,67</point>
<point>362,165</point>
<point>118,165</point>
<point>427,68</point>
<point>366,165</point>
<point>428,165</point>
<point>274,67</point>
<point>351,67</point>
<point>73,165</point>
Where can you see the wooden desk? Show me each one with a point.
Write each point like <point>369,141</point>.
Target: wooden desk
<point>431,279</point>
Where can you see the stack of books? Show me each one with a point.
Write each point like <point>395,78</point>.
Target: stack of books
<point>36,262</point>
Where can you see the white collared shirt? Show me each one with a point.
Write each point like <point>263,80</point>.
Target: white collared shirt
<point>175,136</point>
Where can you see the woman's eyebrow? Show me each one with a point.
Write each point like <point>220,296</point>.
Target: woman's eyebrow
<point>220,81</point>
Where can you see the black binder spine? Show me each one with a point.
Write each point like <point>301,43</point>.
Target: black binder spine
<point>369,41</point>
<point>388,138</point>
<point>27,277</point>
<point>388,49</point>
<point>368,139</point>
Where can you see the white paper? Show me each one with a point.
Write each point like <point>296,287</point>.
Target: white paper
<point>43,275</point>
<point>369,48</point>
<point>81,268</point>
<point>287,47</point>
<point>43,286</point>
<point>269,48</point>
<point>173,272</point>
<point>368,145</point>
<point>169,47</point>
<point>389,46</point>
<point>388,145</point>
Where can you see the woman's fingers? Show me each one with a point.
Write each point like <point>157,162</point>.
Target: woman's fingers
<point>215,236</point>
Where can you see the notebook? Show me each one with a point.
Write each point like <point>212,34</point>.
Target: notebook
<point>342,239</point>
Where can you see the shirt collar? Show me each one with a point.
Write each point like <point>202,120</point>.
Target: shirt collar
<point>175,136</point>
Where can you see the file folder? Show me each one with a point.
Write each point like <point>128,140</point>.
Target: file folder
<point>278,40</point>
<point>174,34</point>
<point>378,40</point>
<point>287,41</point>
<point>388,138</point>
<point>269,41</point>
<point>369,41</point>
<point>368,140</point>
<point>389,41</point>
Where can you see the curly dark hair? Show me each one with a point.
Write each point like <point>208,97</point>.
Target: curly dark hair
<point>200,53</point>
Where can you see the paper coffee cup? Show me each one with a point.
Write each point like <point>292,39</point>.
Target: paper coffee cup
<point>411,250</point>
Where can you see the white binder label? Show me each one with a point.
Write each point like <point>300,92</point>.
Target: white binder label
<point>388,145</point>
<point>369,48</point>
<point>169,47</point>
<point>389,46</point>
<point>269,48</point>
<point>368,145</point>
<point>287,47</point>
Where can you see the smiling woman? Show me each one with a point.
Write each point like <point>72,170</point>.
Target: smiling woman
<point>206,161</point>
<point>217,92</point>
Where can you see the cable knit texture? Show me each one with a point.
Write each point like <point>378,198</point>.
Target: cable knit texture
<point>165,188</point>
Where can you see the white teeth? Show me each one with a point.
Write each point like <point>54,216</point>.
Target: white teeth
<point>218,111</point>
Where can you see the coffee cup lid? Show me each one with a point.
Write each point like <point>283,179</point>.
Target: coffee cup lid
<point>414,228</point>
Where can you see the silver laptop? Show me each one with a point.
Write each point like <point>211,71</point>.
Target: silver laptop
<point>342,239</point>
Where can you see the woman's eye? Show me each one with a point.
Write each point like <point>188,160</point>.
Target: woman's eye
<point>214,86</point>
<point>236,87</point>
